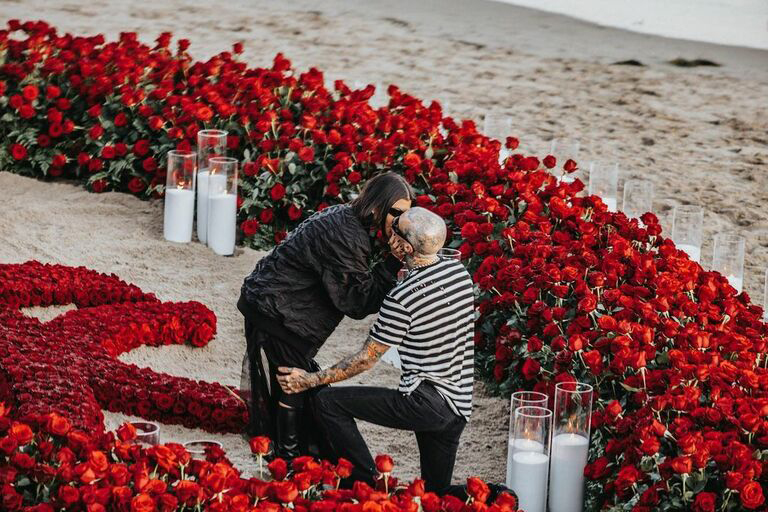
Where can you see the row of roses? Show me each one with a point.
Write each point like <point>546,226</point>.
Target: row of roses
<point>47,464</point>
<point>566,289</point>
<point>69,365</point>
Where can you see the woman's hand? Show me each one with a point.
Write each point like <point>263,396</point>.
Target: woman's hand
<point>397,247</point>
<point>295,380</point>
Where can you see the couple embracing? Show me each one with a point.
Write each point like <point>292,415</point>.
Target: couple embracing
<point>299,292</point>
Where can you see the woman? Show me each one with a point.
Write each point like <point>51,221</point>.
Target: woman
<point>299,292</point>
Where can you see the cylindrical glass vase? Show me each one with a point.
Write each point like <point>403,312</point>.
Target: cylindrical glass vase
<point>638,198</point>
<point>728,258</point>
<point>765,298</point>
<point>498,126</point>
<point>565,149</point>
<point>222,205</point>
<point>604,183</point>
<point>210,144</point>
<point>522,399</point>
<point>570,446</point>
<point>530,459</point>
<point>449,254</point>
<point>147,433</point>
<point>687,228</point>
<point>179,208</point>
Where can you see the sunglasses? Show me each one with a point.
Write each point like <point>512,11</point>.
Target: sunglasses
<point>397,230</point>
<point>395,212</point>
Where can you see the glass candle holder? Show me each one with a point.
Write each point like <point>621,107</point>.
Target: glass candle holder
<point>197,448</point>
<point>210,144</point>
<point>179,208</point>
<point>765,298</point>
<point>687,228</point>
<point>522,399</point>
<point>530,460</point>
<point>638,198</point>
<point>604,183</point>
<point>147,433</point>
<point>449,254</point>
<point>222,205</point>
<point>728,258</point>
<point>498,126</point>
<point>570,445</point>
<point>565,149</point>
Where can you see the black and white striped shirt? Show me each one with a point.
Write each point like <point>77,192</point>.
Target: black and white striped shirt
<point>429,317</point>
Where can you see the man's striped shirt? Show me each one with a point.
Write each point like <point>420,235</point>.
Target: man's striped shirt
<point>429,317</point>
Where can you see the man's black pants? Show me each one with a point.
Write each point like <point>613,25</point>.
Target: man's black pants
<point>424,412</point>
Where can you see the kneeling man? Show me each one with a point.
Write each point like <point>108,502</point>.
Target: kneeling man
<point>429,317</point>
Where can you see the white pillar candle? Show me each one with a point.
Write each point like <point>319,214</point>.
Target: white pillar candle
<point>736,281</point>
<point>693,251</point>
<point>569,457</point>
<point>204,183</point>
<point>529,472</point>
<point>610,202</point>
<point>519,445</point>
<point>222,217</point>
<point>179,214</point>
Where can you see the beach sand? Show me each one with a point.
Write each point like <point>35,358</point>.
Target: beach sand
<point>701,136</point>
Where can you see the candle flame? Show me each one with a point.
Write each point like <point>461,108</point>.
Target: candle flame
<point>571,426</point>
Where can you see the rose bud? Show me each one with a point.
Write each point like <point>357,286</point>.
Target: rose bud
<point>384,464</point>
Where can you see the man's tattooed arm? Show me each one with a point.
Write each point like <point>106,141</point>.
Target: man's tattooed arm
<point>294,380</point>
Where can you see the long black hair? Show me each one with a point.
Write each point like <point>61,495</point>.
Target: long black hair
<point>378,196</point>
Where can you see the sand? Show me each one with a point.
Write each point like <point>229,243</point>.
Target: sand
<point>698,134</point>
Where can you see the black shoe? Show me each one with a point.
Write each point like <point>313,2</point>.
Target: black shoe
<point>287,435</point>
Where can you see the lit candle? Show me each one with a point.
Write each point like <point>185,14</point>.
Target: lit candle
<point>569,457</point>
<point>529,472</point>
<point>179,214</point>
<point>693,251</point>
<point>222,217</point>
<point>205,182</point>
<point>519,445</point>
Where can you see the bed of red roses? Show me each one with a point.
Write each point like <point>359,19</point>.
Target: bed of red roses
<point>566,289</point>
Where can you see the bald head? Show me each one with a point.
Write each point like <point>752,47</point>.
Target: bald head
<point>424,230</point>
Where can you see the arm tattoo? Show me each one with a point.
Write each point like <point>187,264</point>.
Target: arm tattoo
<point>351,365</point>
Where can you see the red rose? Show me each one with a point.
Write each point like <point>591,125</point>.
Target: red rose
<point>58,160</point>
<point>705,502</point>
<point>26,112</point>
<point>550,161</point>
<point>95,165</point>
<point>613,409</point>
<point>384,464</point>
<point>21,433</point>
<point>267,216</point>
<point>121,149</point>
<point>99,186</point>
<point>83,159</point>
<point>108,152</point>
<point>121,119</point>
<point>354,177</point>
<point>141,147</point>
<point>478,489</point>
<point>18,152</point>
<point>142,503</point>
<point>344,468</point>
<point>751,495</point>
<point>204,113</point>
<point>570,166</point>
<point>52,92</point>
<point>250,169</point>
<point>63,104</point>
<point>294,212</point>
<point>412,160</point>
<point>68,494</point>
<point>30,92</point>
<point>96,132</point>
<point>279,468</point>
<point>237,48</point>
<point>155,123</point>
<point>250,227</point>
<point>588,304</point>
<point>58,425</point>
<point>43,140</point>
<point>594,359</point>
<point>149,164</point>
<point>259,445</point>
<point>306,154</point>
<point>682,465</point>
<point>285,492</point>
<point>55,130</point>
<point>277,192</point>
<point>597,469</point>
<point>136,185</point>
<point>530,369</point>
<point>126,432</point>
<point>626,477</point>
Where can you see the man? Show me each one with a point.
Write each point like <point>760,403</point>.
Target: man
<point>429,317</point>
